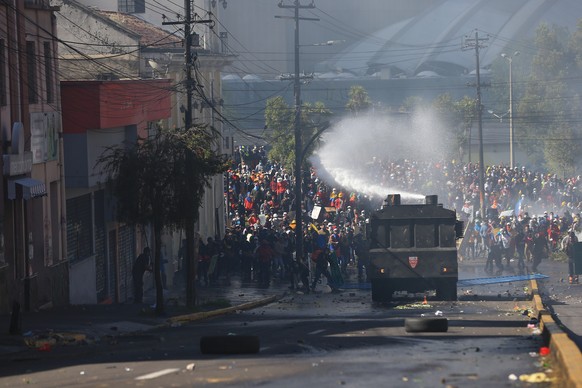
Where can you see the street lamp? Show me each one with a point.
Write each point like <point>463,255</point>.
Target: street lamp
<point>511,150</point>
<point>496,115</point>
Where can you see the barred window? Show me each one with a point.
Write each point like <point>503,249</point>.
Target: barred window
<point>131,6</point>
<point>32,76</point>
<point>48,73</point>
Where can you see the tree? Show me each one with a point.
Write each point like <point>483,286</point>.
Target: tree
<point>161,181</point>
<point>359,101</point>
<point>279,117</point>
<point>562,151</point>
<point>549,110</point>
<point>459,116</point>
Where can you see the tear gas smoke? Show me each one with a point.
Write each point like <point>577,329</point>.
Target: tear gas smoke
<point>351,148</point>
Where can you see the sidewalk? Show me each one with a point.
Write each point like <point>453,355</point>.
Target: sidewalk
<point>88,324</point>
<point>561,299</point>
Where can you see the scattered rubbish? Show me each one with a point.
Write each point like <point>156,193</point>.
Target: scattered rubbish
<point>512,377</point>
<point>413,306</point>
<point>128,369</point>
<point>425,301</point>
<point>190,366</point>
<point>544,351</point>
<point>438,313</point>
<point>539,377</point>
<point>44,340</point>
<point>82,372</point>
<point>46,347</point>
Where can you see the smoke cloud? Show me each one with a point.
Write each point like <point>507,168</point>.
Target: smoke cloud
<point>351,148</point>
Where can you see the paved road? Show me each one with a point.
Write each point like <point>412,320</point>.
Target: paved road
<point>318,339</point>
<point>96,322</point>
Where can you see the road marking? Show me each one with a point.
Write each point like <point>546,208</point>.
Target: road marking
<point>316,332</point>
<point>157,374</point>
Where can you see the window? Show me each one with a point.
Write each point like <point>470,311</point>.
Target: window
<point>48,72</point>
<point>31,67</point>
<point>447,236</point>
<point>400,235</point>
<point>131,6</point>
<point>425,236</point>
<point>3,91</point>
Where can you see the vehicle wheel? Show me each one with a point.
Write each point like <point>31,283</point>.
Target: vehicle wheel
<point>230,344</point>
<point>429,325</point>
<point>381,292</point>
<point>447,290</point>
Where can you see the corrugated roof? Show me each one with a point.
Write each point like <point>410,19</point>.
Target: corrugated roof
<point>150,34</point>
<point>432,40</point>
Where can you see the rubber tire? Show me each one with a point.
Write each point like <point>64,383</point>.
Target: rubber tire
<point>230,344</point>
<point>426,325</point>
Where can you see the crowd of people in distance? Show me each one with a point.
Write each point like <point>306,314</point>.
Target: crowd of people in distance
<point>528,214</point>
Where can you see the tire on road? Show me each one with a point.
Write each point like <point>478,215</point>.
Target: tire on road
<point>426,325</point>
<point>230,344</point>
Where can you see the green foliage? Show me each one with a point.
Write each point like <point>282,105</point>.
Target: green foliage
<point>359,101</point>
<point>280,119</point>
<point>162,179</point>
<point>459,116</point>
<point>549,109</point>
<point>561,151</point>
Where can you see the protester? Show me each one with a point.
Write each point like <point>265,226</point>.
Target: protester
<point>140,266</point>
<point>569,242</point>
<point>261,203</point>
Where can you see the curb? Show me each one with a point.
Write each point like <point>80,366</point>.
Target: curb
<point>70,338</point>
<point>208,314</point>
<point>564,352</point>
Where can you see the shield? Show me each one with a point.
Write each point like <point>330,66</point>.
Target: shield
<point>413,261</point>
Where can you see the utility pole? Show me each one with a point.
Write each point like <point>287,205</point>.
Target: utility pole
<point>477,43</point>
<point>191,241</point>
<point>298,138</point>
<point>189,58</point>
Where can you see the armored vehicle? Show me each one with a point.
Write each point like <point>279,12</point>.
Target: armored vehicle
<point>412,247</point>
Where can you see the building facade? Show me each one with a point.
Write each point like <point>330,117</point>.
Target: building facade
<point>33,247</point>
<point>125,79</point>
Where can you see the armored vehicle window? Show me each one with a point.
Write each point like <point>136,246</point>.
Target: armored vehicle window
<point>447,236</point>
<point>425,236</point>
<point>400,236</point>
<point>381,236</point>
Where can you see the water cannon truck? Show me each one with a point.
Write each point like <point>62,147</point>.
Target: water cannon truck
<point>413,248</point>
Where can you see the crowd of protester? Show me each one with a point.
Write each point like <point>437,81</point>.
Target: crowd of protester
<point>527,215</point>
